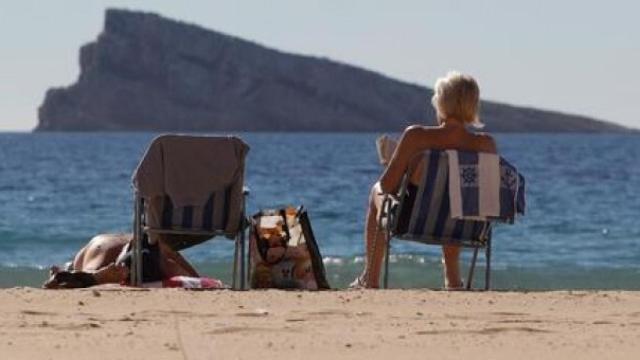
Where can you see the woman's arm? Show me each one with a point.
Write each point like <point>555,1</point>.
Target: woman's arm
<point>170,254</point>
<point>392,175</point>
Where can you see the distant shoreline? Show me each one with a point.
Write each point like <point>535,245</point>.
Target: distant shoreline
<point>629,131</point>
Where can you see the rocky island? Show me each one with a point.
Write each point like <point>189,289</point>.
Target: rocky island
<point>149,73</point>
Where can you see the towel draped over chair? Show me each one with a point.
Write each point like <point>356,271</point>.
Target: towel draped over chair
<point>457,198</point>
<point>189,189</point>
<point>193,182</point>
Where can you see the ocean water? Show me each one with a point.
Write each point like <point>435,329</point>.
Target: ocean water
<point>581,230</point>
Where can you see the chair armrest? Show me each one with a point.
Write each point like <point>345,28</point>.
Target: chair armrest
<point>390,205</point>
<point>394,197</point>
<point>401,190</point>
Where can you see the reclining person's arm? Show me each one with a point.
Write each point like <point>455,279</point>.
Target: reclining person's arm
<point>176,257</point>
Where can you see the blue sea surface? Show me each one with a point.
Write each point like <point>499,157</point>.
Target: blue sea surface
<point>581,230</point>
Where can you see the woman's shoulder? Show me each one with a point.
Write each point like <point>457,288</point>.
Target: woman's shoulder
<point>417,137</point>
<point>485,142</point>
<point>421,130</point>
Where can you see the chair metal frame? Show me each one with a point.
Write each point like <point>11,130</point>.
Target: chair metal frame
<point>391,209</point>
<point>140,229</point>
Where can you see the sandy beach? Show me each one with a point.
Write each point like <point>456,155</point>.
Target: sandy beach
<point>116,323</point>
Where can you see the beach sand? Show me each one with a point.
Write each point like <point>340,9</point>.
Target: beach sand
<point>116,323</point>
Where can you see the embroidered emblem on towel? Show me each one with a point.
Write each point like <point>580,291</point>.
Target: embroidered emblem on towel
<point>468,176</point>
<point>508,178</point>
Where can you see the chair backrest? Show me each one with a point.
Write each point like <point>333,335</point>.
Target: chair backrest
<point>193,183</point>
<point>424,212</point>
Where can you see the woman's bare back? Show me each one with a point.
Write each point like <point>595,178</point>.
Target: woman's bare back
<point>417,139</point>
<point>101,251</point>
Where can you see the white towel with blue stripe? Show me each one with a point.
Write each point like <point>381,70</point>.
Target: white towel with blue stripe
<point>483,186</point>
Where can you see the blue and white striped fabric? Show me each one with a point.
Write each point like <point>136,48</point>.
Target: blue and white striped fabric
<point>484,186</point>
<point>429,209</point>
<point>429,206</point>
<point>213,216</point>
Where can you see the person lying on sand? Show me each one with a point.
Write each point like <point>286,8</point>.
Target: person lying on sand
<point>106,259</point>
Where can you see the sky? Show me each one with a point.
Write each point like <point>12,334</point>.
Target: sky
<point>578,57</point>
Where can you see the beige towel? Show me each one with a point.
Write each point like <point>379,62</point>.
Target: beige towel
<point>189,169</point>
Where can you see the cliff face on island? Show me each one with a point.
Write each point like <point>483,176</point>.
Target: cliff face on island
<point>146,72</point>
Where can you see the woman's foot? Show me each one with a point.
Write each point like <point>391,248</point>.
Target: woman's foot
<point>361,283</point>
<point>457,287</point>
<point>358,283</point>
<point>451,272</point>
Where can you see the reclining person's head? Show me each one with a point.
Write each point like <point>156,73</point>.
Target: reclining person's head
<point>457,96</point>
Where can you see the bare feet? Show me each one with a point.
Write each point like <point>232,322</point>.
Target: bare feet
<point>451,269</point>
<point>361,283</point>
<point>457,287</point>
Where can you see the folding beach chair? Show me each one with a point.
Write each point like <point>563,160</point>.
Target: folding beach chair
<point>428,219</point>
<point>189,189</point>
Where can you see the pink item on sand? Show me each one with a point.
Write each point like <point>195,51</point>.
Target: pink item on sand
<point>187,282</point>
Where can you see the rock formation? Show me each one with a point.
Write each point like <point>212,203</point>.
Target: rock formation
<point>146,72</point>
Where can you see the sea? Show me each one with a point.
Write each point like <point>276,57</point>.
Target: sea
<point>581,229</point>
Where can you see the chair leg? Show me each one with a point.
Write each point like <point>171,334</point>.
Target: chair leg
<point>137,259</point>
<point>387,233</point>
<point>487,275</point>
<point>385,282</point>
<point>132,272</point>
<point>472,268</point>
<point>234,284</point>
<point>242,260</point>
<point>249,257</point>
<point>136,249</point>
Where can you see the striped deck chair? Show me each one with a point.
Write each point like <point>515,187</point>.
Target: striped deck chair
<point>187,190</point>
<point>428,219</point>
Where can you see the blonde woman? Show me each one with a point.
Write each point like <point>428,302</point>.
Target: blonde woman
<point>456,100</point>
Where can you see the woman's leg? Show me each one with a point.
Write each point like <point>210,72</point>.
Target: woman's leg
<point>451,262</point>
<point>375,241</point>
<point>376,245</point>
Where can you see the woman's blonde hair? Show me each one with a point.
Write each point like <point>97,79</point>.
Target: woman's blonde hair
<point>457,96</point>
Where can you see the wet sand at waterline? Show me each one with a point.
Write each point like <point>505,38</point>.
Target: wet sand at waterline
<point>118,323</point>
